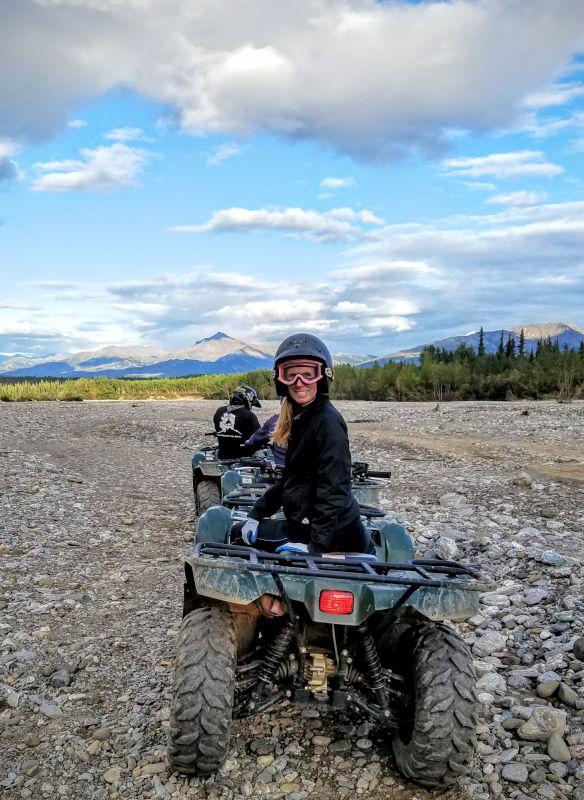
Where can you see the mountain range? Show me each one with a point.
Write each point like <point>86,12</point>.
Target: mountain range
<point>564,333</point>
<point>221,354</point>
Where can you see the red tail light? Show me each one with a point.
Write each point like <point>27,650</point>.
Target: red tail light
<point>333,601</point>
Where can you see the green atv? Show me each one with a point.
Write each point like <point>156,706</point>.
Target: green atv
<point>359,634</point>
<point>214,478</point>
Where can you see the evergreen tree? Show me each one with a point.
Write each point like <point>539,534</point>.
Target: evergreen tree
<point>481,350</point>
<point>510,347</point>
<point>501,348</point>
<point>522,343</point>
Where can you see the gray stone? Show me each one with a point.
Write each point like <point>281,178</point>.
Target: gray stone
<point>552,558</point>
<point>538,775</point>
<point>559,769</point>
<point>522,479</point>
<point>508,755</point>
<point>494,599</point>
<point>544,721</point>
<point>340,746</point>
<point>558,749</point>
<point>62,677</point>
<point>491,682</point>
<point>533,597</point>
<point>112,775</point>
<point>101,734</point>
<point>50,710</point>
<point>489,643</point>
<point>567,695</point>
<point>446,549</point>
<point>578,648</point>
<point>453,500</point>
<point>546,688</point>
<point>514,772</point>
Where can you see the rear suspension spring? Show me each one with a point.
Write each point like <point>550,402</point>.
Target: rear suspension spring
<point>276,653</point>
<point>372,661</point>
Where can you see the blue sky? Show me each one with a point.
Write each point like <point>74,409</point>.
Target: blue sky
<point>382,174</point>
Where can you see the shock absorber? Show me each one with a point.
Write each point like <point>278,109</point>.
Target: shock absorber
<point>372,666</point>
<point>277,651</point>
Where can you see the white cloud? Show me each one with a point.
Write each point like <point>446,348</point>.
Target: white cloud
<point>8,167</point>
<point>327,226</point>
<point>375,80</point>
<point>102,169</point>
<point>479,186</point>
<point>372,274</point>
<point>77,123</point>
<point>503,165</point>
<point>223,152</point>
<point>125,134</point>
<point>517,199</point>
<point>9,147</point>
<point>337,183</point>
<point>555,96</point>
<point>348,307</point>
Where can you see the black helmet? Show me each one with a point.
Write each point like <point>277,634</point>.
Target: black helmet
<point>244,396</point>
<point>309,346</point>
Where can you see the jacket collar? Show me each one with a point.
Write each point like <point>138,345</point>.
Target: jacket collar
<point>308,408</point>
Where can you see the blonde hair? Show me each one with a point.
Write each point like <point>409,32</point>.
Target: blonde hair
<point>284,425</point>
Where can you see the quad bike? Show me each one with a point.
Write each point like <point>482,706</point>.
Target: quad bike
<point>361,634</point>
<point>213,478</point>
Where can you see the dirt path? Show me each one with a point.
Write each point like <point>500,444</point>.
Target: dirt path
<point>96,509</point>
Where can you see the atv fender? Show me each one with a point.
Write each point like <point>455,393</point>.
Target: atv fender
<point>214,526</point>
<point>230,481</point>
<point>397,546</point>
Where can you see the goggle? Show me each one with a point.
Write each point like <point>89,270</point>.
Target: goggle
<point>307,372</point>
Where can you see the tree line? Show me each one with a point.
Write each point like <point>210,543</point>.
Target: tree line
<point>468,374</point>
<point>461,374</point>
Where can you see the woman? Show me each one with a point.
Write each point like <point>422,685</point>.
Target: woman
<point>315,489</point>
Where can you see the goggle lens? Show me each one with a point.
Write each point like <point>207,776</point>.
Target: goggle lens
<point>305,371</point>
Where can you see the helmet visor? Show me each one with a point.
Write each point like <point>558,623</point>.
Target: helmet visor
<point>305,370</point>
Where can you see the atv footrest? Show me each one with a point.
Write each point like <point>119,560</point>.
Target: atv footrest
<point>424,572</point>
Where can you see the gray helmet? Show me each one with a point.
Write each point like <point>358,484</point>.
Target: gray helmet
<point>305,345</point>
<point>244,396</point>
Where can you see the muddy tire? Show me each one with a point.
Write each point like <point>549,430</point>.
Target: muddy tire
<point>435,743</point>
<point>207,494</point>
<point>204,682</point>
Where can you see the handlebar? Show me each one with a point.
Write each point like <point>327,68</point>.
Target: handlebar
<point>361,470</point>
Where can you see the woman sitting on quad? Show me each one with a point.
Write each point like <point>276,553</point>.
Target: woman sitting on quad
<point>321,514</point>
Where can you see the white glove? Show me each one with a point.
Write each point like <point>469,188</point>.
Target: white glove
<point>292,547</point>
<point>249,532</point>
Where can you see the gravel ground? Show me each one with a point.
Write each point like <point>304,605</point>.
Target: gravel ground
<point>96,508</point>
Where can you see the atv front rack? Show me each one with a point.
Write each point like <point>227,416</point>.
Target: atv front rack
<point>417,573</point>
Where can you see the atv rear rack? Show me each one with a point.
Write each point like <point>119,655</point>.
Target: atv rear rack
<point>418,573</point>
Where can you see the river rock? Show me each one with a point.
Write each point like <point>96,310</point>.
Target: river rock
<point>489,643</point>
<point>557,748</point>
<point>516,773</point>
<point>446,549</point>
<point>543,722</point>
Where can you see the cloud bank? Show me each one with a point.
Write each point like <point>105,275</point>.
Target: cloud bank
<point>455,274</point>
<point>374,80</point>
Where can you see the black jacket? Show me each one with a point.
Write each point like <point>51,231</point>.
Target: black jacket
<point>315,488</point>
<point>234,424</point>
